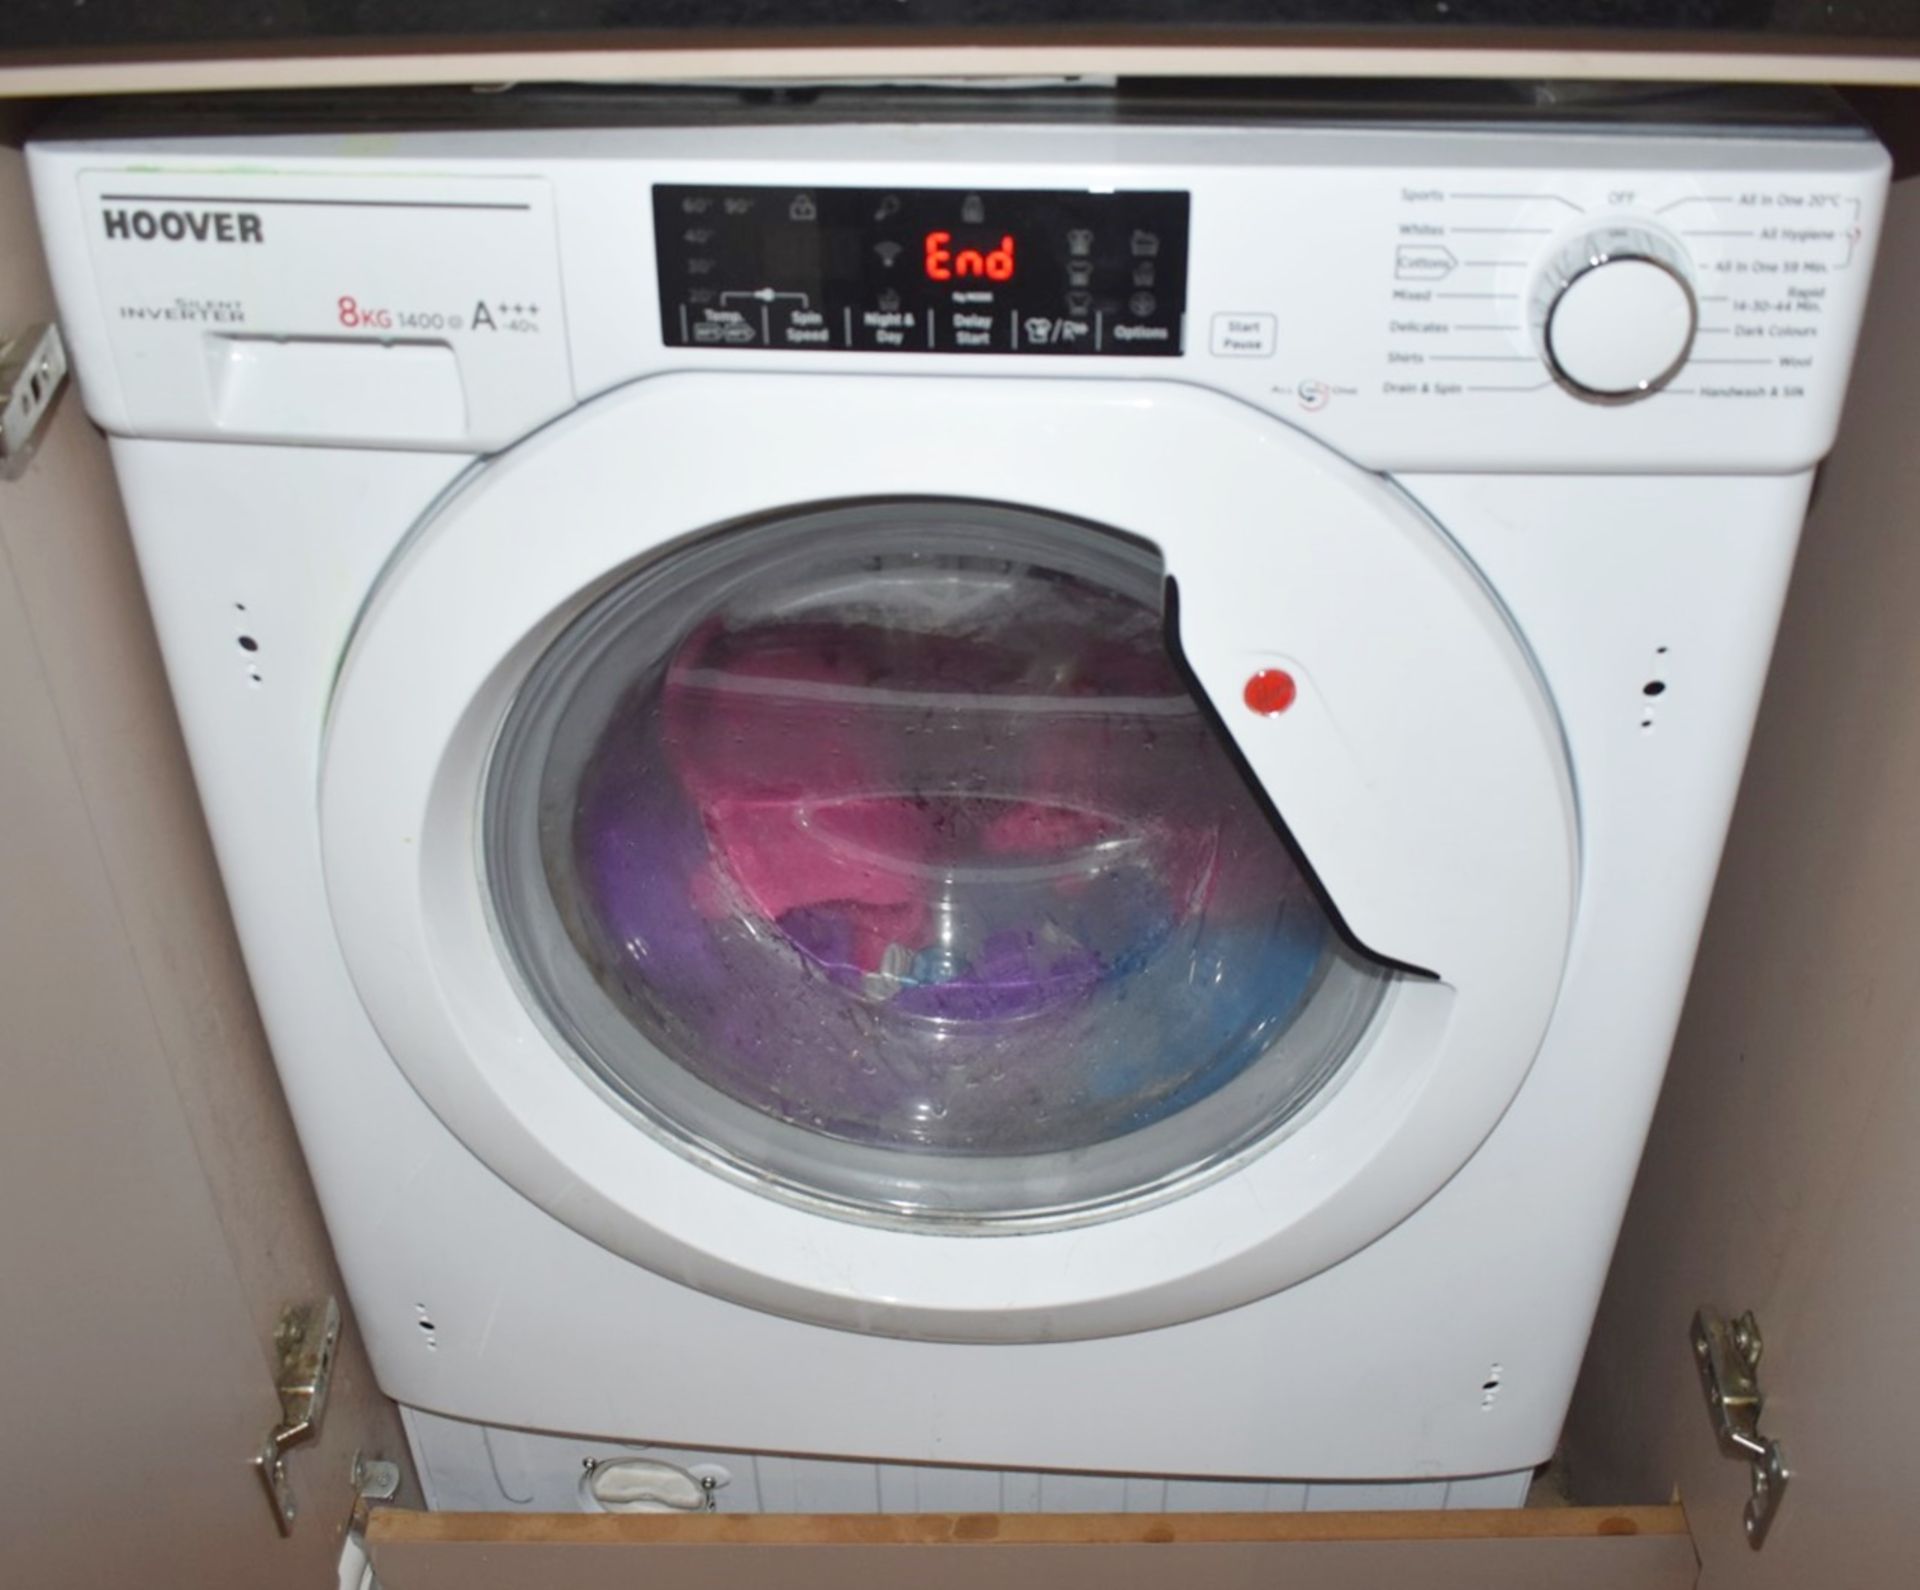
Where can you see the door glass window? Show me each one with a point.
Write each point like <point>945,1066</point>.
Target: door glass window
<point>882,856</point>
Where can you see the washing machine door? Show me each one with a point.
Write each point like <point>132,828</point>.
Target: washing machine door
<point>967,859</point>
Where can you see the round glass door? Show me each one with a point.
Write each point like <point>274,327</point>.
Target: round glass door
<point>881,857</point>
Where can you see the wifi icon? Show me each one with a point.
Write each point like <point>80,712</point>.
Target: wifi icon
<point>888,252</point>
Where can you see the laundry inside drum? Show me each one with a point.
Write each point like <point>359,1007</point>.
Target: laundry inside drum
<point>884,856</point>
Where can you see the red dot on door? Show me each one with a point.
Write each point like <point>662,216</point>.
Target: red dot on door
<point>1270,691</point>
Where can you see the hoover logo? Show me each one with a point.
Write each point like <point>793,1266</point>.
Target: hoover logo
<point>185,226</point>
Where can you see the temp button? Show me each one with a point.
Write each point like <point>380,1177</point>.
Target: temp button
<point>1245,336</point>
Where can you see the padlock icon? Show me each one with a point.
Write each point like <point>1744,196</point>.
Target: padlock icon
<point>803,208</point>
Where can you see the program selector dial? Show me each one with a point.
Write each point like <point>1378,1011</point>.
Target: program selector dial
<point>1616,313</point>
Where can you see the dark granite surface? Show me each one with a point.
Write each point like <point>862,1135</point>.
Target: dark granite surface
<point>1646,106</point>
<point>66,27</point>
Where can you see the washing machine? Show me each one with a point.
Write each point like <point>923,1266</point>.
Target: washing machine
<point>969,803</point>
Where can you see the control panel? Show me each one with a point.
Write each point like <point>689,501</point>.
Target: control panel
<point>1418,298</point>
<point>921,270</point>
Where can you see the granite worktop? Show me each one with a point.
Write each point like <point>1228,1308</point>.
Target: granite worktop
<point>66,27</point>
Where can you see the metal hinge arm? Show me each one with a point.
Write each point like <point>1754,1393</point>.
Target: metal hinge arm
<point>33,368</point>
<point>304,1344</point>
<point>1728,1357</point>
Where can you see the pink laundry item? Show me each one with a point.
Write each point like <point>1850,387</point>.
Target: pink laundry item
<point>806,747</point>
<point>789,774</point>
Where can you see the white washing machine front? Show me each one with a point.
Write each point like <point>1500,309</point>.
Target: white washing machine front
<point>822,884</point>
<point>517,538</point>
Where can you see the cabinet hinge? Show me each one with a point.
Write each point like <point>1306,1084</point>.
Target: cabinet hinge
<point>1728,1357</point>
<point>304,1344</point>
<point>33,367</point>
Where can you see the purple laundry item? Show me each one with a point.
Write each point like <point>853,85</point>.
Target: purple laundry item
<point>637,853</point>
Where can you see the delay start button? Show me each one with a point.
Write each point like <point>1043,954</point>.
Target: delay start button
<point>1245,336</point>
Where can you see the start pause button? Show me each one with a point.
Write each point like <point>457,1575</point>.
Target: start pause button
<point>1244,336</point>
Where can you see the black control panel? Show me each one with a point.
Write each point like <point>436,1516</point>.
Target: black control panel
<point>922,270</point>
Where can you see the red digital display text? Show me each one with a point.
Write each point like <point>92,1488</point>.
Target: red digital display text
<point>945,263</point>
